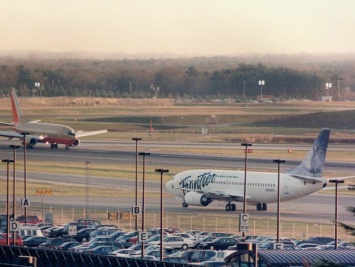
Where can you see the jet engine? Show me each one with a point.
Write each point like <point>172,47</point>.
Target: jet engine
<point>197,199</point>
<point>30,141</point>
<point>76,142</point>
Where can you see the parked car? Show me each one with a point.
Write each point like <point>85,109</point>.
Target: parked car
<point>218,243</point>
<point>101,250</point>
<point>67,245</point>
<point>83,235</point>
<point>175,242</point>
<point>104,238</point>
<point>57,232</point>
<point>18,239</point>
<point>54,243</point>
<point>32,219</point>
<point>123,253</point>
<point>34,241</point>
<point>197,255</point>
<point>92,245</point>
<point>117,234</point>
<point>205,239</point>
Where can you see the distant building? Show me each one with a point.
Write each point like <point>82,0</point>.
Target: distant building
<point>327,98</point>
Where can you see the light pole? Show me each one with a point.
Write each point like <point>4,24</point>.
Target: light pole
<point>87,190</point>
<point>327,88</point>
<point>161,210</point>
<point>38,88</point>
<point>136,195</point>
<point>246,145</point>
<point>336,182</point>
<point>14,186</point>
<point>144,154</point>
<point>261,83</point>
<point>8,161</point>
<point>278,161</point>
<point>25,171</point>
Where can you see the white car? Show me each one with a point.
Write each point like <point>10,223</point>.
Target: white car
<point>175,242</point>
<point>123,253</point>
<point>185,236</point>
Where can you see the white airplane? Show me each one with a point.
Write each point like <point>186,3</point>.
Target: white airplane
<point>201,187</point>
<point>36,132</point>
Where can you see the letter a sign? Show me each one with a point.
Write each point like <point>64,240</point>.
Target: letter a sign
<point>25,202</point>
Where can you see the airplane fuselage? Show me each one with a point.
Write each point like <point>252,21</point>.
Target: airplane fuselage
<point>261,187</point>
<point>49,133</point>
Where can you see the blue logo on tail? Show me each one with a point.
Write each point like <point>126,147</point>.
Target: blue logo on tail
<point>313,163</point>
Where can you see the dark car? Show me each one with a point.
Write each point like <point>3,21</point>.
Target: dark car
<point>83,235</point>
<point>57,232</point>
<point>54,243</point>
<point>67,245</point>
<point>101,250</point>
<point>218,243</point>
<point>205,239</point>
<point>198,255</point>
<point>127,236</point>
<point>92,245</point>
<point>34,241</point>
<point>117,234</point>
<point>321,240</point>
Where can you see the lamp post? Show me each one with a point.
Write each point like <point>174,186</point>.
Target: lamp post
<point>8,161</point>
<point>246,145</point>
<point>25,171</point>
<point>87,189</point>
<point>136,195</point>
<point>261,83</point>
<point>327,88</point>
<point>336,182</point>
<point>144,154</point>
<point>161,210</point>
<point>278,161</point>
<point>38,88</point>
<point>14,186</point>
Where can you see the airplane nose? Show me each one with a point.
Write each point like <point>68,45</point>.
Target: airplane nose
<point>168,186</point>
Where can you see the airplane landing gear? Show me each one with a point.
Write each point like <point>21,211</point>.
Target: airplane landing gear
<point>185,205</point>
<point>261,206</point>
<point>54,146</point>
<point>230,207</point>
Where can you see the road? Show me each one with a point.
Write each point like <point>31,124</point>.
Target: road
<point>315,207</point>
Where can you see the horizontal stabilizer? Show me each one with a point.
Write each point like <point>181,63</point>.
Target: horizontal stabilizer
<point>309,178</point>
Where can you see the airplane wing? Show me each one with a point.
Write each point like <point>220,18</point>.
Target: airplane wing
<point>7,123</point>
<point>81,134</point>
<point>11,134</point>
<point>20,136</point>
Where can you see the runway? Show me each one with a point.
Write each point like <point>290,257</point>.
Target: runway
<point>315,207</point>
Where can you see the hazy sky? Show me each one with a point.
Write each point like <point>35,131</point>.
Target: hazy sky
<point>192,27</point>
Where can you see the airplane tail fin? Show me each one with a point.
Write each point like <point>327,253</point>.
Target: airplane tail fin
<point>16,109</point>
<point>312,165</point>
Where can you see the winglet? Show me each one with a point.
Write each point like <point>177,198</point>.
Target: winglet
<point>16,109</point>
<point>313,163</point>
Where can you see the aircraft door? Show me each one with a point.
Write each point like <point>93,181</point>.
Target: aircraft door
<point>285,186</point>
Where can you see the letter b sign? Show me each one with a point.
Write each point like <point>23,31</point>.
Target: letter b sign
<point>136,210</point>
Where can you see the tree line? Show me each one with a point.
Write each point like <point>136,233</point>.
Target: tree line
<point>171,78</point>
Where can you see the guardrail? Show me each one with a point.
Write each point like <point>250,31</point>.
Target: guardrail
<point>20,256</point>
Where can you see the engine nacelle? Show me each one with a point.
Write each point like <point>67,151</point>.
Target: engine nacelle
<point>30,141</point>
<point>197,199</point>
<point>76,142</point>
